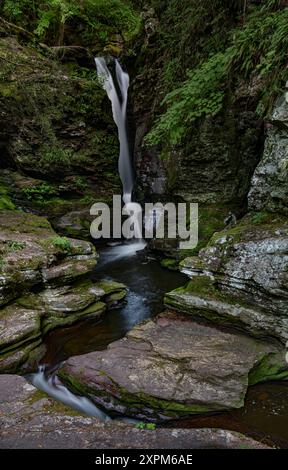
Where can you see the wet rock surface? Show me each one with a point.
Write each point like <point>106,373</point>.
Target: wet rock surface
<point>41,286</point>
<point>172,367</point>
<point>241,277</point>
<point>30,419</point>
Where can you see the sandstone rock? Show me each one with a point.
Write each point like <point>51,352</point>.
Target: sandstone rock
<point>17,325</point>
<point>32,253</point>
<point>30,419</point>
<point>75,223</point>
<point>171,367</point>
<point>269,188</point>
<point>24,322</point>
<point>248,270</point>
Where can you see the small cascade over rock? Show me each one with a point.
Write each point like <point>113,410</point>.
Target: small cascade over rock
<point>49,383</point>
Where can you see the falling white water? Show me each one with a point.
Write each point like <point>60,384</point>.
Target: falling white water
<point>52,385</point>
<point>119,109</point>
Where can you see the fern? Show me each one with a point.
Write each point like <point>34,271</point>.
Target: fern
<point>259,47</point>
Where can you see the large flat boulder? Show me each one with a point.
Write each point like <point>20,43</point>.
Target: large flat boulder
<point>30,419</point>
<point>172,367</point>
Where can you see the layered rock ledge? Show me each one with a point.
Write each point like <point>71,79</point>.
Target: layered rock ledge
<point>241,278</point>
<point>29,419</point>
<point>43,286</point>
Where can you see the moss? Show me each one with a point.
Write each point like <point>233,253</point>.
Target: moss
<point>246,227</point>
<point>5,200</point>
<point>52,406</point>
<point>261,217</point>
<point>6,203</point>
<point>272,367</point>
<point>111,287</point>
<point>52,322</point>
<point>136,401</point>
<point>116,296</point>
<point>169,263</point>
<point>200,285</point>
<point>63,243</point>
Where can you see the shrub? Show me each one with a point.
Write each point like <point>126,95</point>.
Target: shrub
<point>40,192</point>
<point>100,18</point>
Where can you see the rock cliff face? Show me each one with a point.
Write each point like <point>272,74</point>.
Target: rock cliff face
<point>269,189</point>
<point>241,276</point>
<point>58,141</point>
<point>215,162</point>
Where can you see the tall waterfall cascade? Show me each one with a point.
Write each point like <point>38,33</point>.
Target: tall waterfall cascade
<point>118,98</point>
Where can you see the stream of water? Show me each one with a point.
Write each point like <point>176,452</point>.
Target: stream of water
<point>266,410</point>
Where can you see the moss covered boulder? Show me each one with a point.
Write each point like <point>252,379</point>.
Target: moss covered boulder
<point>24,323</point>
<point>31,254</point>
<point>241,277</point>
<point>151,374</point>
<point>43,285</point>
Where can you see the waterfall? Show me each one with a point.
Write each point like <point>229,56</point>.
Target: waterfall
<point>119,109</point>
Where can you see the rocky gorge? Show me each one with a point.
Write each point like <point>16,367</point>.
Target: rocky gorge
<point>177,334</point>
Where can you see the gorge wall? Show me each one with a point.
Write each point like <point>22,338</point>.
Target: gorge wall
<point>208,109</point>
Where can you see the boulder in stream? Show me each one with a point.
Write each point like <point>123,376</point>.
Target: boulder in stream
<point>172,367</point>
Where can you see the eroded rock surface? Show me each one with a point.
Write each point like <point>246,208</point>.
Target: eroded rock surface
<point>241,277</point>
<point>171,367</point>
<point>33,256</point>
<point>269,189</point>
<point>31,419</point>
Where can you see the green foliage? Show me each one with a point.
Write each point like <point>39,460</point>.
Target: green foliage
<point>202,94</point>
<point>150,426</point>
<point>99,19</point>
<point>5,201</point>
<point>62,242</point>
<point>15,246</point>
<point>80,182</point>
<point>256,49</point>
<point>40,192</point>
<point>56,155</point>
<point>260,217</point>
<point>10,246</point>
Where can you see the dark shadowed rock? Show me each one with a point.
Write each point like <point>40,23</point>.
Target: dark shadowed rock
<point>269,189</point>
